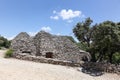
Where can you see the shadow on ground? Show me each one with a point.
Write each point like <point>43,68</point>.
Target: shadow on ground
<point>91,72</point>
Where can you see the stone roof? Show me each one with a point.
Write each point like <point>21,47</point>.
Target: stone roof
<point>43,42</point>
<point>23,43</point>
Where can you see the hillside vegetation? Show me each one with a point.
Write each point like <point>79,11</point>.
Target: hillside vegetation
<point>4,42</point>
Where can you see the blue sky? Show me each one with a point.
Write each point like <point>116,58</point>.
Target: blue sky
<point>54,16</point>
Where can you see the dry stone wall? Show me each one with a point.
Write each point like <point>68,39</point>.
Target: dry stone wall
<point>89,66</point>
<point>100,66</point>
<point>44,43</point>
<point>46,60</point>
<point>23,43</point>
<point>58,47</point>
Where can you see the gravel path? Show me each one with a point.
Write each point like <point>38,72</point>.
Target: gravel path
<point>13,69</point>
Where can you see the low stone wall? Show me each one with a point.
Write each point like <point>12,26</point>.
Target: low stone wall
<point>89,66</point>
<point>104,67</point>
<point>46,60</point>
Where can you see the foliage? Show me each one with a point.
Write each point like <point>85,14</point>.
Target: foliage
<point>71,38</point>
<point>8,53</point>
<point>4,42</point>
<point>83,31</point>
<point>106,40</point>
<point>116,58</point>
<point>82,46</point>
<point>103,40</point>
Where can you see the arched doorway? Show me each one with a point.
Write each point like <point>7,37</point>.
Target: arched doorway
<point>85,58</point>
<point>49,55</point>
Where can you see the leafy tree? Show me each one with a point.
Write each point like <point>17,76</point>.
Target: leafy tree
<point>103,40</point>
<point>116,57</point>
<point>106,40</point>
<point>82,46</point>
<point>83,31</point>
<point>71,39</point>
<point>1,42</point>
<point>4,42</point>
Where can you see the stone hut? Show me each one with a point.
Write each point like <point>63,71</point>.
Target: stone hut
<point>47,45</point>
<point>23,43</point>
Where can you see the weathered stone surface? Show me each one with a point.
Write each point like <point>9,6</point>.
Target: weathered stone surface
<point>46,60</point>
<point>104,67</point>
<point>49,46</point>
<point>23,43</point>
<point>61,47</point>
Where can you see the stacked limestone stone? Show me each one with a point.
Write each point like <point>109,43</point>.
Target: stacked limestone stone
<point>42,43</point>
<point>23,43</point>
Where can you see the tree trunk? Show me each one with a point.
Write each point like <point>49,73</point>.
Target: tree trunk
<point>93,57</point>
<point>100,57</point>
<point>88,43</point>
<point>110,57</point>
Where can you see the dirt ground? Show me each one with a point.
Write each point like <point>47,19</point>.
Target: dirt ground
<point>13,69</point>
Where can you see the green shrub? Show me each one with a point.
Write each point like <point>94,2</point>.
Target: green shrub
<point>8,53</point>
<point>116,58</point>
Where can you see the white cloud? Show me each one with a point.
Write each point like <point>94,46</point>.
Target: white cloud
<point>46,29</point>
<point>54,17</point>
<point>10,38</point>
<point>58,34</point>
<point>54,12</point>
<point>66,14</point>
<point>32,33</point>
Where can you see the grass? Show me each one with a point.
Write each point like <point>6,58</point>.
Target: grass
<point>8,53</point>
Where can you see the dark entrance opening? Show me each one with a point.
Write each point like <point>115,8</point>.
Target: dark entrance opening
<point>28,52</point>
<point>85,59</point>
<point>49,55</point>
<point>38,54</point>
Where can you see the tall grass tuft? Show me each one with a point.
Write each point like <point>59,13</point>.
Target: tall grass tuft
<point>9,53</point>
